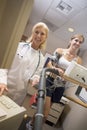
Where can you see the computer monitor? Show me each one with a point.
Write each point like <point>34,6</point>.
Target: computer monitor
<point>76,73</point>
<point>11,114</point>
<point>81,93</point>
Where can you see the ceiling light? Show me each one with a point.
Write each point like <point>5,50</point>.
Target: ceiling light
<point>70,29</point>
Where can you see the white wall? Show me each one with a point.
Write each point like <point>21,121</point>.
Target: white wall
<point>76,118</point>
<point>13,19</point>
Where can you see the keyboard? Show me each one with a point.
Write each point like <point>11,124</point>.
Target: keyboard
<point>2,113</point>
<point>7,102</point>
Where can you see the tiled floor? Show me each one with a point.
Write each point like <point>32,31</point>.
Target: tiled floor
<point>47,127</point>
<point>31,111</point>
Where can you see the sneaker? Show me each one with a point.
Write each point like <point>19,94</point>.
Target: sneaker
<point>29,126</point>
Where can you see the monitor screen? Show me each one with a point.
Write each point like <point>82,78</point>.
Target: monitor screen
<point>81,93</point>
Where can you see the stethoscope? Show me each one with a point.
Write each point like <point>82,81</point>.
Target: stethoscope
<point>23,50</point>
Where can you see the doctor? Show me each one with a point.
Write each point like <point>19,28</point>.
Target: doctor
<point>27,64</point>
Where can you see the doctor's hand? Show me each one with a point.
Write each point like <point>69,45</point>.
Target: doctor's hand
<point>3,88</point>
<point>35,81</point>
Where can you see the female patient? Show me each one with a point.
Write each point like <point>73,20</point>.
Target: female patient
<point>65,58</point>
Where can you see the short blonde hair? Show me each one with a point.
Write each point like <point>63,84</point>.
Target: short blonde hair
<point>40,24</point>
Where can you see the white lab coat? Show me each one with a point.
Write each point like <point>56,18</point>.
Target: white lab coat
<point>3,76</point>
<point>22,69</point>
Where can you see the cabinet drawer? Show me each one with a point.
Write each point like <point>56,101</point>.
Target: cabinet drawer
<point>52,119</point>
<point>57,107</point>
<point>54,113</point>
